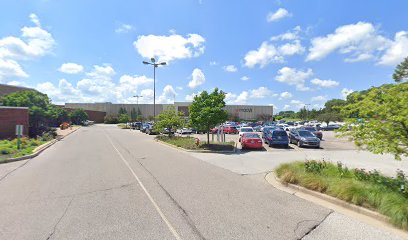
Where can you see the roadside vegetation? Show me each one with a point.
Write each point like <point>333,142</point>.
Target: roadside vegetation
<point>369,189</point>
<point>190,143</point>
<point>8,148</point>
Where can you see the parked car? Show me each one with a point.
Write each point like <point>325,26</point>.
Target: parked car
<point>251,140</point>
<point>303,138</point>
<point>230,130</point>
<point>184,131</point>
<point>284,126</point>
<point>168,131</point>
<point>313,130</point>
<point>266,130</point>
<point>245,130</point>
<point>257,128</point>
<point>330,127</point>
<point>151,131</point>
<point>87,123</point>
<point>277,137</point>
<point>144,127</point>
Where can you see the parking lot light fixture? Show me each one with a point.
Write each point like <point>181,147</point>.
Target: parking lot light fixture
<point>155,65</point>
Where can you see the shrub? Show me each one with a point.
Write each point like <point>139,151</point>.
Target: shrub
<point>111,119</point>
<point>315,166</point>
<point>123,118</point>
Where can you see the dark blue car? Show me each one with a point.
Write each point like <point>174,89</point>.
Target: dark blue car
<point>277,137</point>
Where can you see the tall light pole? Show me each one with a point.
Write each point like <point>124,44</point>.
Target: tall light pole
<point>137,104</point>
<point>307,110</point>
<point>155,65</point>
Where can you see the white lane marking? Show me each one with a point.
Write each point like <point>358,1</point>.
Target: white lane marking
<point>163,217</point>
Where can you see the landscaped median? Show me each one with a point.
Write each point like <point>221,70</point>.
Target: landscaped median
<point>369,189</point>
<point>8,148</point>
<point>190,144</point>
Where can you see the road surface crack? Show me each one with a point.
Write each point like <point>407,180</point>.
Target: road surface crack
<point>59,220</point>
<point>312,228</point>
<point>15,169</point>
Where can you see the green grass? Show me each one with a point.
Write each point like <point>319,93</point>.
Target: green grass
<point>190,143</point>
<point>8,148</point>
<point>370,195</point>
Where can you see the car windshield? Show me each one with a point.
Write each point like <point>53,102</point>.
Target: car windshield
<point>251,135</point>
<point>306,134</point>
<point>247,130</point>
<point>279,133</point>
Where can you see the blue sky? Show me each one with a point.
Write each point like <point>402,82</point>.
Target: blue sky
<point>287,53</point>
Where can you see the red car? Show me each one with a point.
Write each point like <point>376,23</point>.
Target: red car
<point>230,130</point>
<point>251,140</point>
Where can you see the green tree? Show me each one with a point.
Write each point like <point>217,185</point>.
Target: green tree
<point>57,115</point>
<point>302,114</point>
<point>37,103</point>
<point>133,114</point>
<point>328,117</point>
<point>379,120</point>
<point>78,116</point>
<point>207,110</point>
<point>169,119</point>
<point>122,111</point>
<point>123,118</point>
<point>401,71</point>
<point>334,105</point>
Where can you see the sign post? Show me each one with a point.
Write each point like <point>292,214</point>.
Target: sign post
<point>19,133</point>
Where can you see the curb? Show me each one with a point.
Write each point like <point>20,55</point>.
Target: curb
<point>37,150</point>
<point>274,180</point>
<point>370,217</point>
<point>194,151</point>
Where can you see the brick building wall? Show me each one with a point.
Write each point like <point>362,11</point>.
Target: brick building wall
<point>9,118</point>
<point>96,116</point>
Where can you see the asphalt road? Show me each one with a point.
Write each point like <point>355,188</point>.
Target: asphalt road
<point>102,182</point>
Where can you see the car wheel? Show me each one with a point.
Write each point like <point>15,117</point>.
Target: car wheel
<point>270,145</point>
<point>299,143</point>
<point>287,146</point>
<point>318,147</point>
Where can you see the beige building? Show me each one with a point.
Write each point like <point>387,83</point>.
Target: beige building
<point>243,112</point>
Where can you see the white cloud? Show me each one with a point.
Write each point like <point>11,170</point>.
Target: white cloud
<point>124,28</point>
<point>34,18</point>
<point>71,68</point>
<point>297,103</point>
<point>34,42</point>
<point>245,78</point>
<point>324,83</point>
<point>261,92</point>
<point>147,96</point>
<point>286,95</point>
<point>345,92</point>
<point>197,78</point>
<point>190,98</point>
<point>286,107</point>
<point>242,98</point>
<point>168,95</point>
<point>294,77</point>
<point>169,48</point>
<point>9,69</point>
<point>318,99</point>
<point>279,14</point>
<point>291,48</point>
<point>213,63</point>
<point>179,88</point>
<point>230,68</point>
<point>397,51</point>
<point>269,53</point>
<point>289,35</point>
<point>361,42</point>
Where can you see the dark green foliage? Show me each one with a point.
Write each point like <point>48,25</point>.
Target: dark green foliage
<point>207,110</point>
<point>315,166</point>
<point>401,71</point>
<point>78,116</point>
<point>133,114</point>
<point>42,113</point>
<point>122,111</point>
<point>169,119</point>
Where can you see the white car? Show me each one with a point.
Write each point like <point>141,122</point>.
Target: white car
<point>184,131</point>
<point>245,130</point>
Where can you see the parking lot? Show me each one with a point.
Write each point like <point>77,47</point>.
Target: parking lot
<point>329,142</point>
